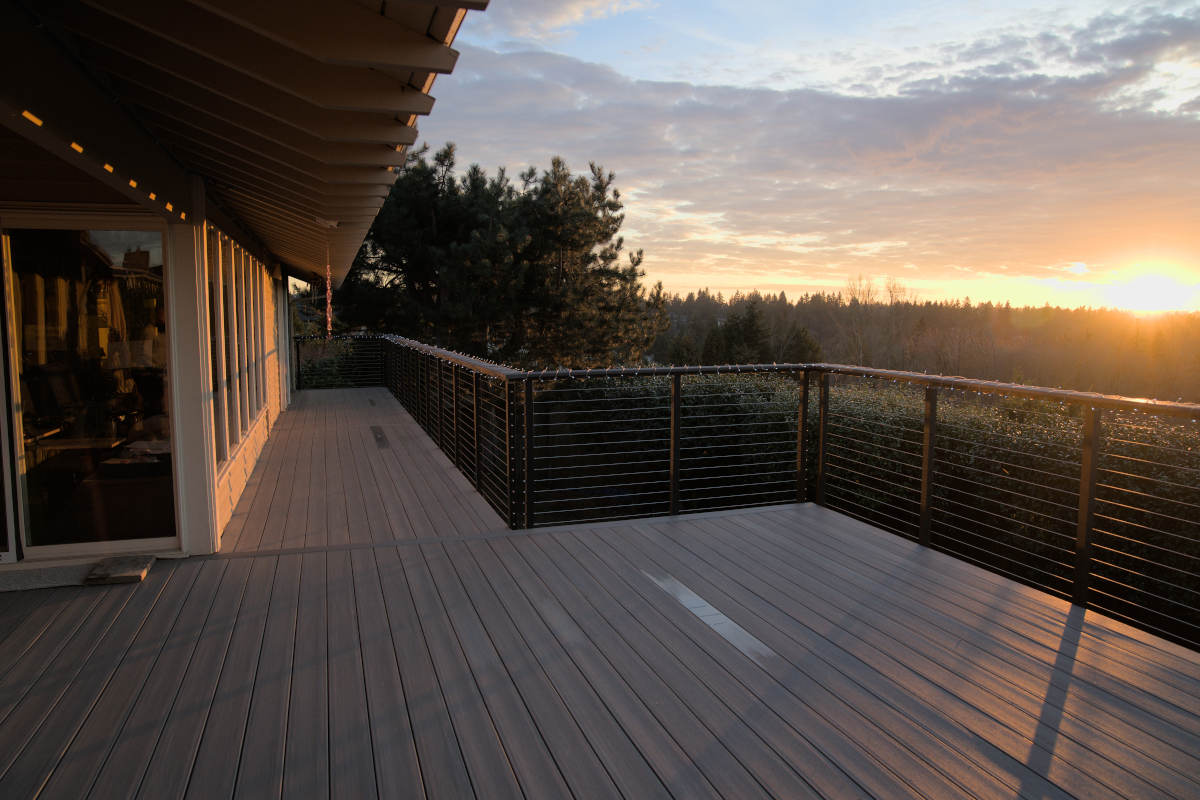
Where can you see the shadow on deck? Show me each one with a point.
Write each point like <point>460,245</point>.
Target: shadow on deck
<point>371,628</point>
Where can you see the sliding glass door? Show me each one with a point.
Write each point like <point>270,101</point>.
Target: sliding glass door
<point>90,386</point>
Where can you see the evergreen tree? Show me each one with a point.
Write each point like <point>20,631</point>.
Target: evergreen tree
<point>531,274</point>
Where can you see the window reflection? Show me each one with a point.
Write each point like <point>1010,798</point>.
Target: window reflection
<point>92,340</point>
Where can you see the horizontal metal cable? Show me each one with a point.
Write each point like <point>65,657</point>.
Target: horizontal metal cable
<point>831,438</point>
<point>1159,514</point>
<point>840,478</point>
<point>1067,521</point>
<point>991,554</point>
<point>788,475</point>
<point>1148,478</point>
<point>686,466</point>
<point>938,509</point>
<point>869,515</point>
<point>1151,463</point>
<point>542,499</point>
<point>837,466</point>
<point>833,422</point>
<point>1154,497</point>
<point>890,507</point>
<point>1168,448</point>
<point>1022,453</point>
<point>778,493</point>
<point>1144,592</point>
<point>948,460</point>
<point>1151,579</point>
<point>791,422</point>
<point>1151,564</point>
<point>1003,476</point>
<point>606,453</point>
<point>1146,543</point>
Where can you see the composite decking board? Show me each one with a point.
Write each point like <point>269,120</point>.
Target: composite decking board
<point>357,525</point>
<point>214,771</point>
<point>1007,635</point>
<point>170,764</point>
<point>531,760</point>
<point>728,721</point>
<point>15,610</point>
<point>244,531</point>
<point>402,504</point>
<point>933,685</point>
<point>351,762</point>
<point>914,639</point>
<point>1023,685</point>
<point>277,510</point>
<point>88,746</point>
<point>306,757</point>
<point>812,668</point>
<point>443,769</point>
<point>260,765</point>
<point>397,770</point>
<point>531,637</point>
<point>580,766</point>
<point>780,718</point>
<point>1029,606</point>
<point>130,755</point>
<point>295,529</point>
<point>385,511</point>
<point>54,678</point>
<point>674,767</point>
<point>50,641</point>
<point>445,517</point>
<point>45,747</point>
<point>487,763</point>
<point>316,531</point>
<point>335,508</point>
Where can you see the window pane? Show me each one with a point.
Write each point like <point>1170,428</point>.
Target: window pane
<point>94,404</point>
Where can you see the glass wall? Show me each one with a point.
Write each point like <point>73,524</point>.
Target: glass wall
<point>93,413</point>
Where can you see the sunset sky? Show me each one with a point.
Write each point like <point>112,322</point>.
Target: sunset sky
<point>1018,151</point>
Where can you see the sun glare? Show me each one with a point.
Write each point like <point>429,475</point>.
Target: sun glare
<point>1153,291</point>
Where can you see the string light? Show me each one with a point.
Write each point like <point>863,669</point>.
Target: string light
<point>29,115</point>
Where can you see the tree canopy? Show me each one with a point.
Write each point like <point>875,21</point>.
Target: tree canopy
<point>530,273</point>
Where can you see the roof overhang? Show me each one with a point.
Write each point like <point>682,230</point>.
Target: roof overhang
<point>296,113</point>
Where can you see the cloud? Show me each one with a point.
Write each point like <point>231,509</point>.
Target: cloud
<point>544,19</point>
<point>1025,154</point>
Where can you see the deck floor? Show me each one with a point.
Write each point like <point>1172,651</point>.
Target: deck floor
<point>372,629</point>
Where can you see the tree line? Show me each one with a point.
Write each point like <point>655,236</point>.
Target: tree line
<point>1102,350</point>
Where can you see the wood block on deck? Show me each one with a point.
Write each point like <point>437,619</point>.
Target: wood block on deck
<point>120,569</point>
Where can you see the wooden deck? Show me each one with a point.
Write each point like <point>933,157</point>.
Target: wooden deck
<point>373,630</point>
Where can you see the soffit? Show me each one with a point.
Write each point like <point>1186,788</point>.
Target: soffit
<point>295,112</point>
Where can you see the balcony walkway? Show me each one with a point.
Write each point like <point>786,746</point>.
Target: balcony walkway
<point>372,629</point>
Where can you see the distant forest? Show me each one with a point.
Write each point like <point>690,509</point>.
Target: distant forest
<point>1100,350</point>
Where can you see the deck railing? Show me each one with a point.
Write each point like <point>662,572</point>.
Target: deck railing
<point>1089,497</point>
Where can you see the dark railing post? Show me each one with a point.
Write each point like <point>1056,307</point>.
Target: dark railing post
<point>454,411</point>
<point>529,452</point>
<point>802,442</point>
<point>299,373</point>
<point>510,449</point>
<point>927,441</point>
<point>676,392</point>
<point>1087,504</point>
<point>475,424</point>
<point>822,419</point>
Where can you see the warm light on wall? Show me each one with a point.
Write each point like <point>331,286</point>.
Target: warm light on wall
<point>36,120</point>
<point>77,147</point>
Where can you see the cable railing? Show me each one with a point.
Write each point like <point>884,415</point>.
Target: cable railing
<point>1090,497</point>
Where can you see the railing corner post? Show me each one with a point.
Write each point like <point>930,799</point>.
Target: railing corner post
<point>475,425</point>
<point>676,393</point>
<point>528,452</point>
<point>928,436</point>
<point>822,420</point>
<point>802,442</point>
<point>1089,459</point>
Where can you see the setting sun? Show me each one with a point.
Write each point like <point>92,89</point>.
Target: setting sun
<point>1153,290</point>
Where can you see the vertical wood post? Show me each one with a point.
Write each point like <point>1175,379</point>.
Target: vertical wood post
<point>510,469</point>
<point>454,412</point>
<point>475,424</point>
<point>822,419</point>
<point>802,442</point>
<point>676,391</point>
<point>529,452</point>
<point>1087,505</point>
<point>927,441</point>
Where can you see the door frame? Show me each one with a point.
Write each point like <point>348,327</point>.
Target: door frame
<point>80,217</point>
